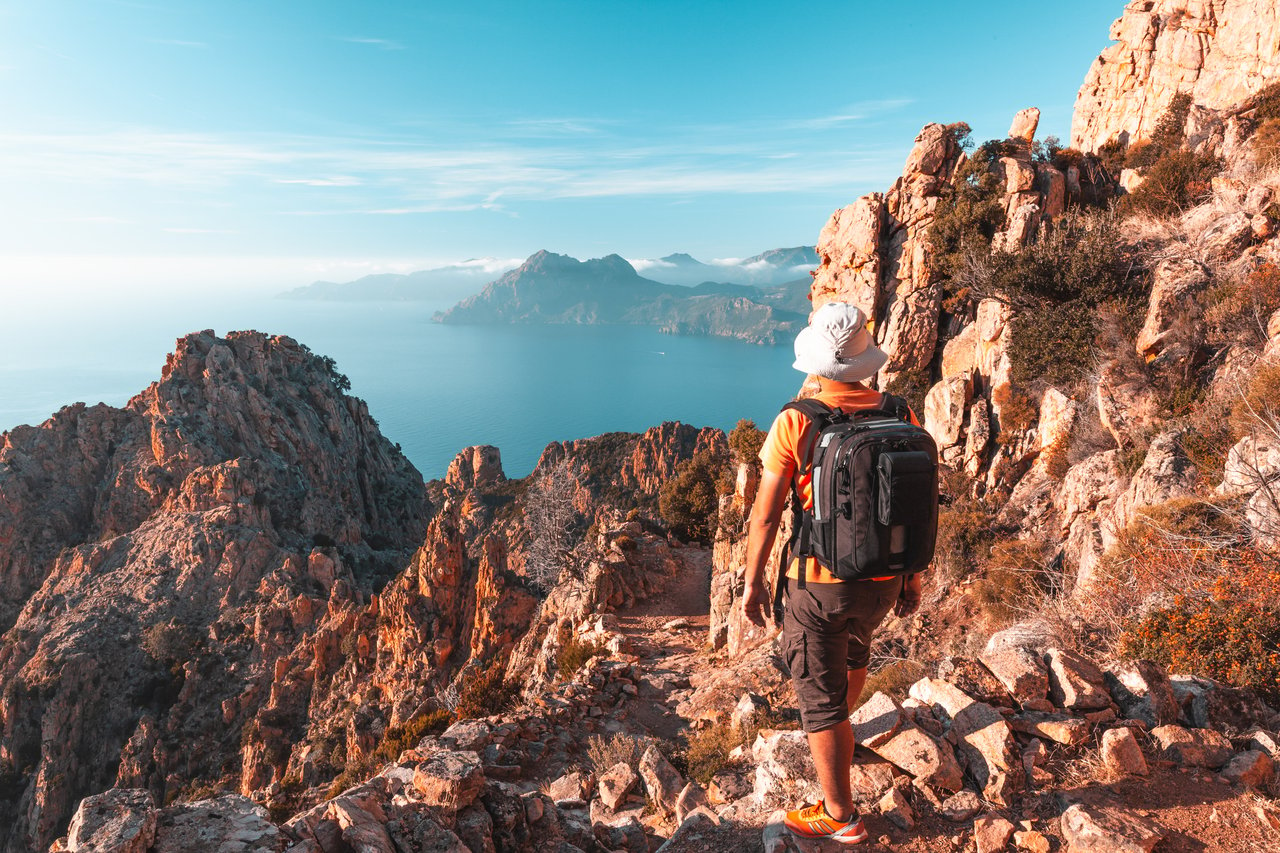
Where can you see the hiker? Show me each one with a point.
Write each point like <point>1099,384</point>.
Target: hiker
<point>828,622</point>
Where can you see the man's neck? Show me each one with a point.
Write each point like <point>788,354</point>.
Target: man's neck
<point>825,385</point>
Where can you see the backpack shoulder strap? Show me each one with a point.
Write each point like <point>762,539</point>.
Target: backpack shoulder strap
<point>815,410</point>
<point>896,406</point>
<point>819,414</point>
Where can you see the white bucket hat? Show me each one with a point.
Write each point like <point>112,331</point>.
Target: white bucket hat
<point>837,345</point>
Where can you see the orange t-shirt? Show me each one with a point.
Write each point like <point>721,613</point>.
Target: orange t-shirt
<point>781,455</point>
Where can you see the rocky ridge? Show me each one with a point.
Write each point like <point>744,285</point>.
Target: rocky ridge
<point>1219,52</point>
<point>235,580</point>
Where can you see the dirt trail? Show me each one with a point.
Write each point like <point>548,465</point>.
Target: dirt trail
<point>667,633</point>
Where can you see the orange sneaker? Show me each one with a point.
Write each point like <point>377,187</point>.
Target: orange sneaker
<point>814,822</point>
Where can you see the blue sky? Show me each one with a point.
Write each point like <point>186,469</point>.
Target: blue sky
<point>272,142</point>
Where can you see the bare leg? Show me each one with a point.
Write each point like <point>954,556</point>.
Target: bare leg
<point>832,751</point>
<point>857,678</point>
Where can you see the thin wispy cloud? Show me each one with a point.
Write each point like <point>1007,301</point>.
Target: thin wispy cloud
<point>337,181</point>
<point>382,44</point>
<point>396,176</point>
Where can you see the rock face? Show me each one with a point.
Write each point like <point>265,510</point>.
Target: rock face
<point>222,505</point>
<point>874,253</point>
<point>1220,52</point>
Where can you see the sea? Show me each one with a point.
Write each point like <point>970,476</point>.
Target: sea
<point>434,389</point>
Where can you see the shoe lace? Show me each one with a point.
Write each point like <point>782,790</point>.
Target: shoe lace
<point>814,812</point>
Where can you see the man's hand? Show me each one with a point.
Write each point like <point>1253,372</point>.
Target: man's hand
<point>909,598</point>
<point>755,603</point>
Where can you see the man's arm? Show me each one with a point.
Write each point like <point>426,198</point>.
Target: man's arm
<point>766,513</point>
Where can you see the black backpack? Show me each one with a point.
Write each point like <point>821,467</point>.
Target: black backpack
<point>875,492</point>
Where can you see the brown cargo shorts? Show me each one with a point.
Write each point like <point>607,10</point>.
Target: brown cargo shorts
<point>825,633</point>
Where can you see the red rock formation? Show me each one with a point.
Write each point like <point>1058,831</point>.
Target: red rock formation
<point>151,559</point>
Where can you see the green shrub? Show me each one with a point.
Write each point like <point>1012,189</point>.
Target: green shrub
<point>965,535</point>
<point>1259,406</point>
<point>688,502</point>
<point>745,441</point>
<point>1266,103</point>
<point>1176,181</point>
<point>1059,285</point>
<point>894,679</point>
<point>708,751</point>
<point>1052,343</point>
<point>605,751</point>
<point>1017,412</point>
<point>397,739</point>
<point>573,654</point>
<point>968,214</point>
<point>486,693</point>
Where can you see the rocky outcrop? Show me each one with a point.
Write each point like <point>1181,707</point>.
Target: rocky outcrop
<point>1220,52</point>
<point>874,253</point>
<point>158,559</point>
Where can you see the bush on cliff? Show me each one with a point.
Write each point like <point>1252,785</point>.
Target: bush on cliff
<point>745,441</point>
<point>687,501</point>
<point>1058,286</point>
<point>1229,631</point>
<point>1176,181</point>
<point>967,216</point>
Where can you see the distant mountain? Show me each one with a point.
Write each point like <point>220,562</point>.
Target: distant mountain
<point>557,289</point>
<point>443,284</point>
<point>767,269</point>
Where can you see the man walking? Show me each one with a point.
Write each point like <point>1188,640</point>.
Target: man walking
<point>827,629</point>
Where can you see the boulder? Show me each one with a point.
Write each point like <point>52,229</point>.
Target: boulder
<point>751,710</point>
<point>1024,124</point>
<point>991,833</point>
<point>570,790</point>
<point>1059,728</point>
<point>1032,841</point>
<point>227,824</point>
<point>361,830</point>
<point>692,834</point>
<point>449,780</point>
<point>784,768</point>
<point>876,720</point>
<point>691,797</point>
<point>1143,692</point>
<point>1019,668</point>
<point>930,760</point>
<point>119,820</point>
<point>1122,754</point>
<point>975,680</point>
<point>1264,741</point>
<point>727,786</point>
<point>615,783</point>
<point>959,353</point>
<point>961,806</point>
<point>894,806</point>
<point>945,407</point>
<point>1252,769</point>
<point>1096,829</point>
<point>1193,747</point>
<point>1174,284</point>
<point>870,777</point>
<point>1075,682</point>
<point>661,780</point>
<point>1204,702</point>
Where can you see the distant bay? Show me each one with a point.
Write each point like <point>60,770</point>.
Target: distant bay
<point>433,388</point>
